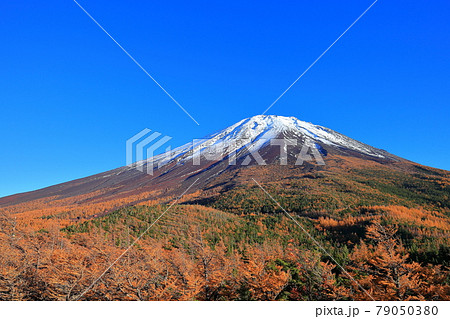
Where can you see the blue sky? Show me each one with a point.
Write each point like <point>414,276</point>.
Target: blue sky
<point>70,98</point>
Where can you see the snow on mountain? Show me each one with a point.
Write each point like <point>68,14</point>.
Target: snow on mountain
<point>256,132</point>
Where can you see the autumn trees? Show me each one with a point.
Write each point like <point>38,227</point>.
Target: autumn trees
<point>384,268</point>
<point>200,253</point>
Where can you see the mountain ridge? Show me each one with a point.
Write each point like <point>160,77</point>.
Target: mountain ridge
<point>173,172</point>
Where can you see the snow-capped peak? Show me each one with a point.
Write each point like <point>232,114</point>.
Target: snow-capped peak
<point>266,127</point>
<point>256,132</point>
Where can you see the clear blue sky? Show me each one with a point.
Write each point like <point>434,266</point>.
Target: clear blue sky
<point>70,98</point>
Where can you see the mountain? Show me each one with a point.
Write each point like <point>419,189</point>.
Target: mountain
<point>268,148</point>
<point>239,144</point>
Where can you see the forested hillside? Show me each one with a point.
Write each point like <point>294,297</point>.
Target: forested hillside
<point>388,227</point>
<point>199,253</point>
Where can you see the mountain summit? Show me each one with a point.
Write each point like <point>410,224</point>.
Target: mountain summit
<point>266,127</point>
<point>254,135</point>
